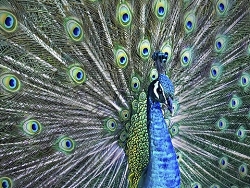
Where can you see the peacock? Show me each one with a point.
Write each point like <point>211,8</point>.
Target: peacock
<point>125,93</point>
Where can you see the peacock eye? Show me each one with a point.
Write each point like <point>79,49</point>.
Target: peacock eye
<point>153,75</point>
<point>222,7</point>
<point>161,9</point>
<point>5,182</point>
<point>190,22</point>
<point>135,84</point>
<point>66,144</point>
<point>32,127</point>
<point>121,58</point>
<point>74,30</point>
<point>220,43</point>
<point>110,125</point>
<point>167,49</point>
<point>8,21</point>
<point>77,74</point>
<point>10,82</point>
<point>243,170</point>
<point>144,49</point>
<point>124,15</point>
<point>186,57</point>
<point>159,90</point>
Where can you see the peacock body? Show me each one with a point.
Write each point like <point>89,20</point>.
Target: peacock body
<point>75,77</point>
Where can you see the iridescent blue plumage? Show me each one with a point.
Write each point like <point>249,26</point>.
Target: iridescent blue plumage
<point>163,169</point>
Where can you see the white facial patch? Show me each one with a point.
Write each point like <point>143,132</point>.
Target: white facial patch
<point>155,89</point>
<point>163,92</point>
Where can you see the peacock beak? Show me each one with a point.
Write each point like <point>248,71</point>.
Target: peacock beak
<point>169,103</point>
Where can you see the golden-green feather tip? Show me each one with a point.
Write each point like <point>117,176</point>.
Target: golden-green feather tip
<point>10,82</point>
<point>167,48</point>
<point>235,102</point>
<point>174,130</point>
<point>220,43</point>
<point>135,84</point>
<point>31,127</point>
<point>8,21</point>
<point>110,124</point>
<point>124,115</point>
<point>74,29</point>
<point>6,182</point>
<point>215,71</point>
<point>176,107</point>
<point>161,9</point>
<point>179,156</point>
<point>153,75</point>
<point>196,185</point>
<point>65,144</point>
<point>124,15</point>
<point>135,104</point>
<point>244,80</point>
<point>223,162</point>
<point>123,136</point>
<point>243,171</point>
<point>121,58</point>
<point>142,96</point>
<point>222,7</point>
<point>144,49</point>
<point>214,186</point>
<point>186,57</point>
<point>189,22</point>
<point>77,74</point>
<point>241,133</point>
<point>222,124</point>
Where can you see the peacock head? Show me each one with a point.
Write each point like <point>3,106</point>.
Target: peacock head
<point>161,93</point>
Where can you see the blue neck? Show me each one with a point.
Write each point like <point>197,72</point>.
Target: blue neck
<point>163,169</point>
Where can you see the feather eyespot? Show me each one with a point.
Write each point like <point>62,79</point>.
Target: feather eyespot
<point>241,133</point>
<point>186,57</point>
<point>10,82</point>
<point>135,84</point>
<point>220,43</point>
<point>124,114</point>
<point>144,49</point>
<point>32,127</point>
<point>161,9</point>
<point>65,144</point>
<point>77,74</point>
<point>222,124</point>
<point>196,185</point>
<point>5,182</point>
<point>8,21</point>
<point>222,7</point>
<point>245,80</point>
<point>174,130</point>
<point>190,22</point>
<point>223,162</point>
<point>124,15</point>
<point>243,170</point>
<point>235,102</point>
<point>215,71</point>
<point>110,124</point>
<point>121,58</point>
<point>74,29</point>
<point>153,75</point>
<point>214,186</point>
<point>123,136</point>
<point>167,49</point>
